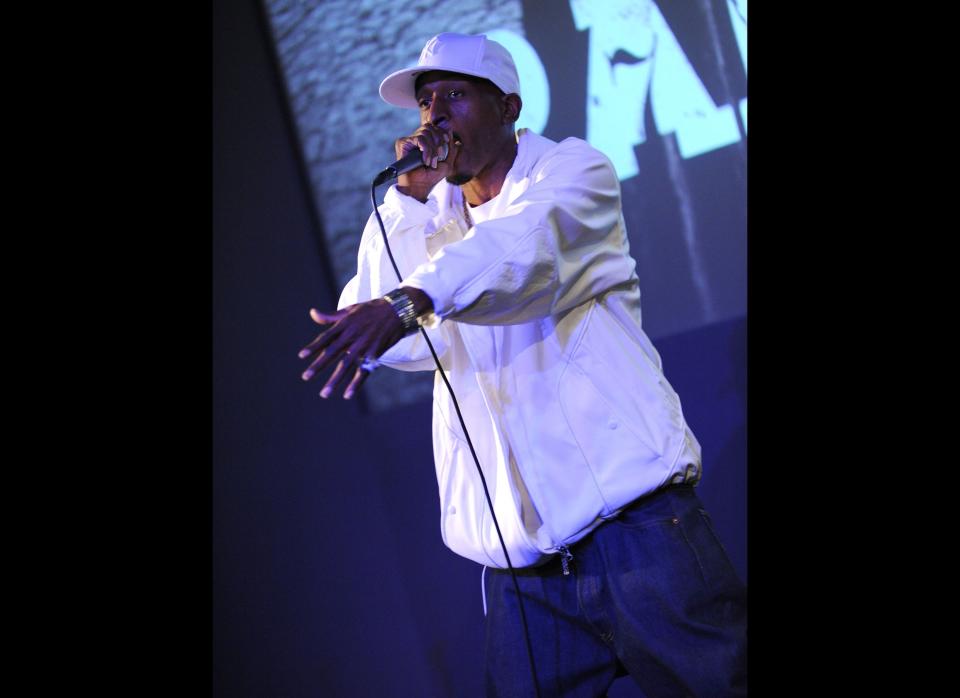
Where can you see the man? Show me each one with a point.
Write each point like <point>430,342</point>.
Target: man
<point>514,257</point>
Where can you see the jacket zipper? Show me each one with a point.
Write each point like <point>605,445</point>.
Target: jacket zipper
<point>566,557</point>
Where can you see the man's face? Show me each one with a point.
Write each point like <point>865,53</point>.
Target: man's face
<point>471,111</point>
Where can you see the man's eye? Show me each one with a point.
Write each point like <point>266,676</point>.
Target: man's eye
<point>454,93</point>
<point>424,103</point>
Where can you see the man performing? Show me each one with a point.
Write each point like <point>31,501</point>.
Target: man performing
<point>514,257</point>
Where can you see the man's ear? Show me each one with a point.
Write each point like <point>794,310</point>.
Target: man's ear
<point>512,104</point>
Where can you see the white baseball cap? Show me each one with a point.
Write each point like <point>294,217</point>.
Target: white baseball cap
<point>469,54</point>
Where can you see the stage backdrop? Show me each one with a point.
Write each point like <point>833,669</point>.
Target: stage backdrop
<point>329,574</point>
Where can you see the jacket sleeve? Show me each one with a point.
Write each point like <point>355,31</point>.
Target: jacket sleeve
<point>559,244</point>
<point>407,222</point>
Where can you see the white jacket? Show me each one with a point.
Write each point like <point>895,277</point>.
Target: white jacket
<point>538,330</point>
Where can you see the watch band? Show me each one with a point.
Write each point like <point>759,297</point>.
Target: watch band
<point>402,305</point>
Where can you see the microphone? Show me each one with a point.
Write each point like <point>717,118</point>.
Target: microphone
<point>408,162</point>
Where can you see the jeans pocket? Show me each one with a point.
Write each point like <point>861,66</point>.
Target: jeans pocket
<point>652,510</point>
<point>708,523</point>
<point>636,523</point>
<point>716,568</point>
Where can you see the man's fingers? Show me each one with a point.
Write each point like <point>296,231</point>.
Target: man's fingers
<point>319,342</point>
<point>325,318</point>
<point>339,375</point>
<point>327,355</point>
<point>313,346</point>
<point>429,139</point>
<point>332,380</point>
<point>358,378</point>
<point>424,149</point>
<point>427,148</point>
<point>324,338</point>
<point>357,336</point>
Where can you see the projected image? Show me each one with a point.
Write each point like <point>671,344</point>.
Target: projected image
<point>634,56</point>
<point>659,87</point>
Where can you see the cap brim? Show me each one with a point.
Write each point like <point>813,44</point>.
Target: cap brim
<point>398,88</point>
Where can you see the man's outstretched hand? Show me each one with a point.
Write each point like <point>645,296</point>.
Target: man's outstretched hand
<point>354,338</point>
<point>351,336</point>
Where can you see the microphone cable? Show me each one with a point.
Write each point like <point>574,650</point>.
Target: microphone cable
<point>483,480</point>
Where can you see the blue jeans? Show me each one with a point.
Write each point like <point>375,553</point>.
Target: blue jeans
<point>651,593</point>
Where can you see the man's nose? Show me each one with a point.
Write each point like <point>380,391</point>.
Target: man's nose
<point>438,113</point>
